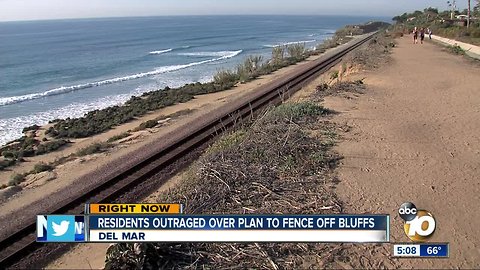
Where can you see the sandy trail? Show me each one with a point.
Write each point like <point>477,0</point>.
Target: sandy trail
<point>416,137</point>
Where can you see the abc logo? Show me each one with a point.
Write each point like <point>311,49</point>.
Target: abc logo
<point>419,224</point>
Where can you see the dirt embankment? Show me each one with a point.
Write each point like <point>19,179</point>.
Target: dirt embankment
<point>415,137</point>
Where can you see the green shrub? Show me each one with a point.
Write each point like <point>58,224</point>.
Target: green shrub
<point>296,51</point>
<point>322,87</point>
<point>93,149</point>
<point>49,147</point>
<point>6,163</point>
<point>249,69</point>
<point>42,167</point>
<point>456,50</point>
<point>118,137</point>
<point>31,128</point>
<point>147,124</point>
<point>26,152</point>
<point>334,75</point>
<point>225,77</point>
<point>16,179</point>
<point>278,55</point>
<point>10,154</point>
<point>227,141</point>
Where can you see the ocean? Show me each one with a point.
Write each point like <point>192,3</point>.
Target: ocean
<point>65,68</point>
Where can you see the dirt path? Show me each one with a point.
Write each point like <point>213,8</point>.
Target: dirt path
<point>416,137</point>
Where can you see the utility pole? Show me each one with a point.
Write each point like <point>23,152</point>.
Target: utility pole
<point>468,14</point>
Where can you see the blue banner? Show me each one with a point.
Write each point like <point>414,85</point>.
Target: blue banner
<point>434,250</point>
<point>239,222</point>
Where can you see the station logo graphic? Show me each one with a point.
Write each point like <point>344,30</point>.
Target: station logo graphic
<point>60,228</point>
<point>419,224</point>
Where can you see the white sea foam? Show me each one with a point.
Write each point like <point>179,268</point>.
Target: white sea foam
<point>11,128</point>
<point>66,89</point>
<point>160,52</point>
<point>208,54</point>
<point>290,43</point>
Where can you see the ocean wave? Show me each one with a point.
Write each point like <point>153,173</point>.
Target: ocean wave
<point>11,128</point>
<point>66,89</point>
<point>160,52</point>
<point>208,54</point>
<point>290,43</point>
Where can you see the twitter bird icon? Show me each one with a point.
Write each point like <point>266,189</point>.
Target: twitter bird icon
<point>61,228</point>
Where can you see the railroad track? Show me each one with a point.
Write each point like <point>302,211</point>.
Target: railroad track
<point>19,244</point>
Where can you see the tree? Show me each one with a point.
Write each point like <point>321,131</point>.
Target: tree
<point>402,18</point>
<point>432,10</point>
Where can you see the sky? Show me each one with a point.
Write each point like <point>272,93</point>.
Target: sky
<point>14,10</point>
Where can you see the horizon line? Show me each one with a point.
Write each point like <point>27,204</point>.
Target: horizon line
<point>187,15</point>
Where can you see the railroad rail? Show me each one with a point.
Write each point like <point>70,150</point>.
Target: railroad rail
<point>22,242</point>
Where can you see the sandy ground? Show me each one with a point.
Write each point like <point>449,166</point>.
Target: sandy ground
<point>415,137</point>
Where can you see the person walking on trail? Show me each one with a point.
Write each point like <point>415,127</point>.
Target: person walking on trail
<point>422,35</point>
<point>415,35</point>
<point>429,31</point>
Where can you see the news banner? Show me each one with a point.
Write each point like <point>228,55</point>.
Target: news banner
<point>116,223</point>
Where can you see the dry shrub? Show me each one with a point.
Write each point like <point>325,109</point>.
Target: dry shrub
<point>341,87</point>
<point>372,54</point>
<point>276,167</point>
<point>397,34</point>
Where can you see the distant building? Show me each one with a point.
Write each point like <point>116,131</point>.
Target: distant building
<point>461,17</point>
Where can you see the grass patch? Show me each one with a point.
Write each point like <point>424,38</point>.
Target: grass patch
<point>98,147</point>
<point>227,141</point>
<point>298,111</point>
